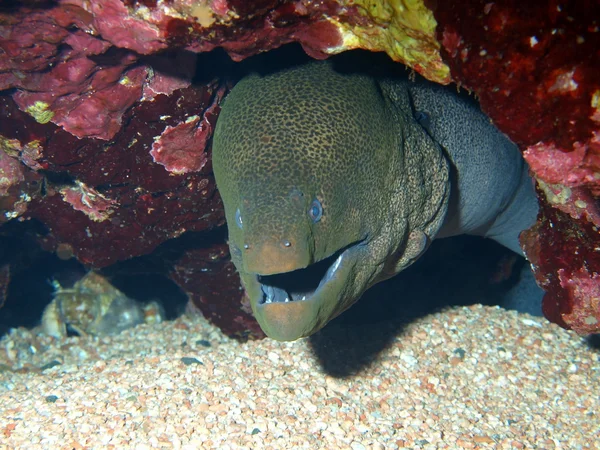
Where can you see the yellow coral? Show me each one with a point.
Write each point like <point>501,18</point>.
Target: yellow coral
<point>11,147</point>
<point>40,112</point>
<point>404,29</point>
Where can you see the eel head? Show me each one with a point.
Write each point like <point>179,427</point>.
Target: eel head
<point>308,164</point>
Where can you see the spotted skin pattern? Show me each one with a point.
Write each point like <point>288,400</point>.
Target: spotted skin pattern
<point>388,184</point>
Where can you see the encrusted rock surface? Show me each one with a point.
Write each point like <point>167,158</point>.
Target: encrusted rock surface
<point>534,69</point>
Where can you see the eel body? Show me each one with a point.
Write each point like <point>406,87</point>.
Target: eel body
<point>334,180</point>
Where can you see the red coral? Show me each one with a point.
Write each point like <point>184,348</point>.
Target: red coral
<point>532,64</point>
<point>57,79</point>
<point>575,168</point>
<point>115,23</point>
<point>534,68</point>
<point>583,289</point>
<point>52,55</point>
<point>180,149</point>
<point>565,256</point>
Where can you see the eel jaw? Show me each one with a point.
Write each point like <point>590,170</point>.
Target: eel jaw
<point>295,304</point>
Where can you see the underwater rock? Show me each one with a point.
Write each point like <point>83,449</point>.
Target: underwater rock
<point>562,251</point>
<point>87,113</point>
<point>79,66</point>
<point>212,284</point>
<point>110,132</point>
<point>115,191</point>
<point>18,185</point>
<point>534,68</point>
<point>93,306</point>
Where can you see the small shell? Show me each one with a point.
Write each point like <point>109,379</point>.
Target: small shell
<point>94,306</point>
<point>52,324</point>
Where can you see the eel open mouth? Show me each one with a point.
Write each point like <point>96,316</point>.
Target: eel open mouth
<point>299,285</point>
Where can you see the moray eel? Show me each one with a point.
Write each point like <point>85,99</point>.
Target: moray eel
<point>333,180</point>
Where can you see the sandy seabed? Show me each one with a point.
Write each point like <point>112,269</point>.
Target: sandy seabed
<point>466,377</point>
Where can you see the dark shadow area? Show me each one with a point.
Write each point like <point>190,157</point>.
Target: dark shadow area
<point>147,287</point>
<point>292,55</point>
<point>8,6</point>
<point>146,278</point>
<point>457,271</point>
<point>593,342</point>
<point>214,64</point>
<point>288,56</point>
<point>29,274</point>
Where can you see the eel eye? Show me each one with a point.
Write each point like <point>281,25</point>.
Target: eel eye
<point>238,219</point>
<point>315,211</point>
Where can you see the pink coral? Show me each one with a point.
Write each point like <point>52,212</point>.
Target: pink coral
<point>583,289</point>
<point>578,167</point>
<point>182,148</point>
<point>116,23</point>
<point>89,201</point>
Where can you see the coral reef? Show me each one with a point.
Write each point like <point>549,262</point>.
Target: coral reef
<point>563,253</point>
<point>534,68</point>
<point>105,122</point>
<point>115,191</point>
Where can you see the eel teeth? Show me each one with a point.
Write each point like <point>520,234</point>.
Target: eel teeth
<point>273,295</point>
<point>336,264</point>
<point>269,293</point>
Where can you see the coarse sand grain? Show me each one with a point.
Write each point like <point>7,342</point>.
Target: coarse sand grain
<point>465,377</point>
